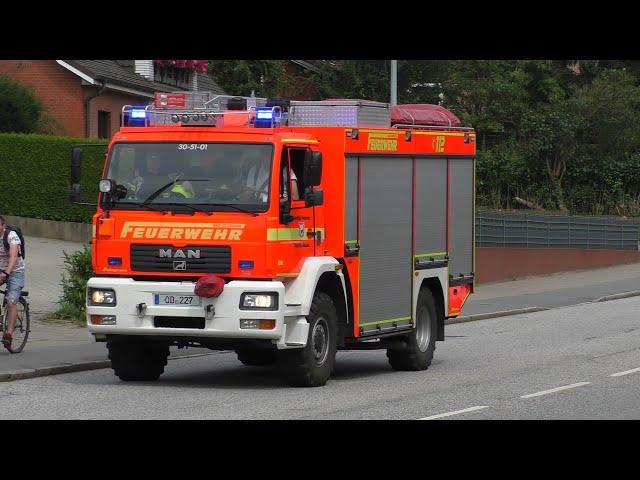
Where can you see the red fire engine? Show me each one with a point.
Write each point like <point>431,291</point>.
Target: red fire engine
<point>283,230</point>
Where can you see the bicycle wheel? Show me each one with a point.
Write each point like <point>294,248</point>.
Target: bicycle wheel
<point>22,327</point>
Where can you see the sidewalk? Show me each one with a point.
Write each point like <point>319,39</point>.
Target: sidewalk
<point>555,290</point>
<point>57,348</point>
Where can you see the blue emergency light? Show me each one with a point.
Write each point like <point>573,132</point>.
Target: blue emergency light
<point>245,264</point>
<point>267,117</point>
<point>114,260</point>
<point>136,113</point>
<point>136,117</point>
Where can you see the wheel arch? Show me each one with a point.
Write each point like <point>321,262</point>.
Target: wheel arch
<point>331,284</point>
<point>320,274</point>
<point>435,287</point>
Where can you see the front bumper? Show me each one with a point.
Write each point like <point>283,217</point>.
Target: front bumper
<point>224,322</point>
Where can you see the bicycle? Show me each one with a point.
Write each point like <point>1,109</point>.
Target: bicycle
<point>23,322</point>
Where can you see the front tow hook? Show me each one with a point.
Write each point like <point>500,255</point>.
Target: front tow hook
<point>141,309</point>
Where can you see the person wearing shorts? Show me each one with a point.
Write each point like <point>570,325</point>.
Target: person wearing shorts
<point>11,272</point>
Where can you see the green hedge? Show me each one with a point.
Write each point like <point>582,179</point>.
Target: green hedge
<point>35,172</point>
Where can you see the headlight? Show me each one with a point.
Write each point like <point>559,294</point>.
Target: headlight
<point>259,301</point>
<point>100,296</point>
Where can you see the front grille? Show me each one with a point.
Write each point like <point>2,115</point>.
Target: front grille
<point>178,322</point>
<point>189,259</point>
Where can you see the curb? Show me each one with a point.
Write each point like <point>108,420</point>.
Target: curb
<point>503,313</point>
<point>617,296</point>
<point>53,370</point>
<point>73,367</point>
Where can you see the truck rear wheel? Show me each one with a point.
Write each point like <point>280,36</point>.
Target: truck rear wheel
<point>138,360</point>
<point>417,351</point>
<point>257,357</point>
<point>311,366</point>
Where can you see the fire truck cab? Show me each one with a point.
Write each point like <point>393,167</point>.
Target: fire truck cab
<point>284,231</point>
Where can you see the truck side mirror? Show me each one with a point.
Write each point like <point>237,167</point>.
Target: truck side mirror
<point>312,174</point>
<point>313,197</point>
<point>76,174</point>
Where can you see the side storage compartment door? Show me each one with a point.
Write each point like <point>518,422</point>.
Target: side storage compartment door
<point>385,237</point>
<point>461,226</point>
<point>431,208</point>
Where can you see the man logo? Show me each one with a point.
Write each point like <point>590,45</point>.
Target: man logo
<point>178,253</point>
<point>180,265</point>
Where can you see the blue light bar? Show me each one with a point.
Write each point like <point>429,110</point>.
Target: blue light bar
<point>267,117</point>
<point>136,113</point>
<point>264,113</point>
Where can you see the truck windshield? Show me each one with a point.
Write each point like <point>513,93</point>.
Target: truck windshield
<point>172,176</point>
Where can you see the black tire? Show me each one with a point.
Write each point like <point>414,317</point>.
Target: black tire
<point>138,360</point>
<point>409,356</point>
<point>311,366</point>
<point>257,357</point>
<point>22,326</point>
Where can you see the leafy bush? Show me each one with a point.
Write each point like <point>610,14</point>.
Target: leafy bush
<point>19,108</point>
<point>35,173</point>
<point>76,274</point>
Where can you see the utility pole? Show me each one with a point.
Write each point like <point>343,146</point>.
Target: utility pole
<point>394,82</point>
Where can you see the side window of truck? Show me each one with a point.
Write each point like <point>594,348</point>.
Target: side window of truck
<point>284,178</point>
<point>297,167</point>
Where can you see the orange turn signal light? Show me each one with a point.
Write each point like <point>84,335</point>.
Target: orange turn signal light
<point>267,324</point>
<point>103,319</point>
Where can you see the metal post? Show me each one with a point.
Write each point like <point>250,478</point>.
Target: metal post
<point>394,82</point>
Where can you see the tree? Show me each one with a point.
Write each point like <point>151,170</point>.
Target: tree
<point>19,109</point>
<point>604,169</point>
<point>363,79</point>
<point>265,78</point>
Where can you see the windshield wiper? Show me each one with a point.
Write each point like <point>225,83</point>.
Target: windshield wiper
<point>157,192</point>
<point>188,205</point>
<point>232,206</point>
<point>164,187</point>
<point>148,205</point>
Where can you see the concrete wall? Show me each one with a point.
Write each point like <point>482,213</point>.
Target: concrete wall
<point>36,227</point>
<point>495,264</point>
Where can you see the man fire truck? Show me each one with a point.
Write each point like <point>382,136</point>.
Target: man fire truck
<point>283,230</point>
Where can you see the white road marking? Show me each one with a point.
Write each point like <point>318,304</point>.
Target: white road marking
<point>457,412</point>
<point>627,372</point>
<point>553,390</point>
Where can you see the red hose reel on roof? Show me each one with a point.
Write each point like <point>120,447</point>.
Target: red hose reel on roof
<point>423,114</point>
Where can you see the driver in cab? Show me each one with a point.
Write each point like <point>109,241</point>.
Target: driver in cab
<point>156,175</point>
<point>219,178</point>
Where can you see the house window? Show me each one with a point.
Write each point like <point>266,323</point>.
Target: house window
<point>104,124</point>
<point>180,77</point>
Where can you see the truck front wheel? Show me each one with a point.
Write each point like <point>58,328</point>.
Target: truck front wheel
<point>138,360</point>
<point>416,352</point>
<point>311,366</point>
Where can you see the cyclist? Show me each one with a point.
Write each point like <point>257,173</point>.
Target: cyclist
<point>12,272</point>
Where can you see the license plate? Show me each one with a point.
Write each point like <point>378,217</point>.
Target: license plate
<point>177,299</point>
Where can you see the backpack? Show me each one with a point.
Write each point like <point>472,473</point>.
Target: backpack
<point>5,240</point>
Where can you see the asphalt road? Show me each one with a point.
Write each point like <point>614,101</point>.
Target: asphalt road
<point>561,361</point>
